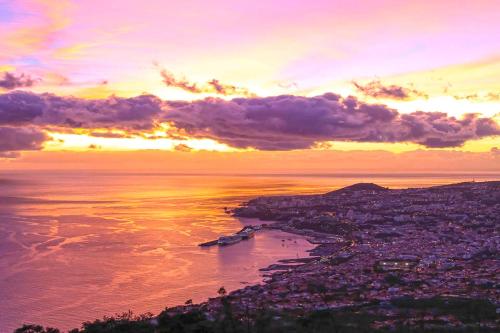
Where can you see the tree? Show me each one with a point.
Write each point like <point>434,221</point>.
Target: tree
<point>36,329</point>
<point>222,292</point>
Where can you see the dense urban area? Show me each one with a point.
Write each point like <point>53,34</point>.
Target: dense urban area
<point>424,259</point>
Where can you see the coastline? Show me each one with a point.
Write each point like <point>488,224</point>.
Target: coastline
<point>353,252</point>
<point>359,267</point>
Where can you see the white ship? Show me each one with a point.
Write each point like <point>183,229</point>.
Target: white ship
<point>247,234</point>
<point>228,240</point>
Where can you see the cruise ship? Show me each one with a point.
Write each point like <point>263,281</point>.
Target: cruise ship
<point>247,233</point>
<point>228,240</point>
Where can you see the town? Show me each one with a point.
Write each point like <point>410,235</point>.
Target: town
<point>385,252</point>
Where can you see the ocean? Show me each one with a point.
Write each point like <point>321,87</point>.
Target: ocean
<point>78,246</point>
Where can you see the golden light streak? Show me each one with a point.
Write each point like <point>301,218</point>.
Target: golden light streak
<point>451,106</point>
<point>7,68</point>
<point>478,146</point>
<point>85,142</point>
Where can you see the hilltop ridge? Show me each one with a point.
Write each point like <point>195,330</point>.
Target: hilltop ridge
<point>359,187</point>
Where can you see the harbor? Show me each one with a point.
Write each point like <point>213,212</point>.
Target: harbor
<point>246,233</point>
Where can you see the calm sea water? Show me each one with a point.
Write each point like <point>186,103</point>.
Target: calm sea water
<point>76,246</point>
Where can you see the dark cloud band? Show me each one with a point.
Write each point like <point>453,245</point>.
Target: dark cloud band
<point>14,139</point>
<point>295,122</point>
<point>267,123</point>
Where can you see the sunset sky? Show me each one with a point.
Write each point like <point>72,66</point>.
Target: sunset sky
<point>264,86</point>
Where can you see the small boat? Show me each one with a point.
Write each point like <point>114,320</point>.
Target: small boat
<point>247,234</point>
<point>228,240</point>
